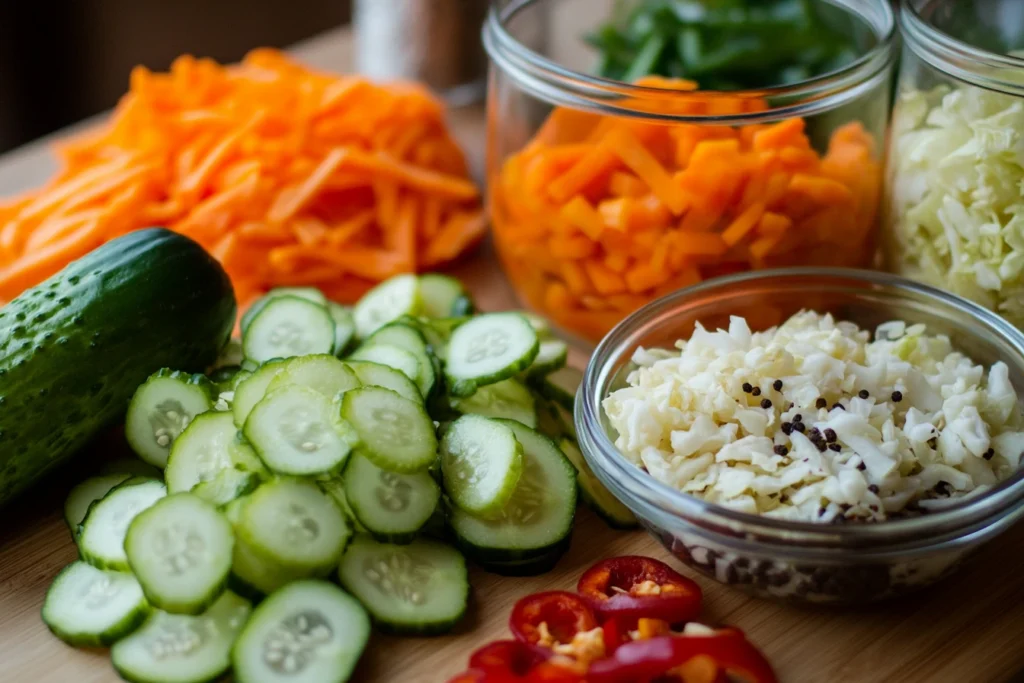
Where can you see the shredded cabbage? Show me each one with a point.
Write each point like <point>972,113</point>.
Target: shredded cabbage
<point>899,424</point>
<point>956,194</point>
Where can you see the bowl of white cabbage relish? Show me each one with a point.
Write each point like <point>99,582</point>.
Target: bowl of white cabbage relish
<point>826,436</point>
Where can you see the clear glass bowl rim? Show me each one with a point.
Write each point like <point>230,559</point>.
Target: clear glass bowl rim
<point>956,58</point>
<point>556,84</point>
<point>967,518</point>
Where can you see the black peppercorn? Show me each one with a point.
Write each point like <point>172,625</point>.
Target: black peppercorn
<point>873,488</point>
<point>861,466</point>
<point>989,454</point>
<point>838,405</point>
<point>766,404</point>
<point>787,428</point>
<point>863,393</point>
<point>777,385</point>
<point>756,391</point>
<point>835,447</point>
<point>897,396</point>
<point>830,435</point>
<point>820,445</point>
<point>781,450</point>
<point>820,403</point>
<point>798,427</point>
<point>798,418</point>
<point>747,387</point>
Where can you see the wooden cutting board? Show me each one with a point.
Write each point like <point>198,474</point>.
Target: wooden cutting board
<point>969,629</point>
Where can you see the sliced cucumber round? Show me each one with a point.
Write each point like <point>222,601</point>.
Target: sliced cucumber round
<point>295,525</point>
<point>408,338</point>
<point>180,551</point>
<point>322,373</point>
<point>288,326</point>
<point>251,389</point>
<point>334,486</point>
<point>419,588</point>
<point>394,432</point>
<point>344,327</point>
<point>391,356</point>
<point>254,576</point>
<point>481,462</point>
<point>101,542</point>
<point>295,430</point>
<point>132,466</point>
<point>177,648</point>
<point>226,486</point>
<point>308,632</point>
<point>560,386</point>
<point>552,355</point>
<point>85,494</point>
<point>89,607</point>
<point>507,398</point>
<point>444,296</point>
<point>388,301</point>
<point>488,349</point>
<point>393,507</point>
<point>161,409</point>
<point>538,517</point>
<point>594,494</point>
<point>438,333</point>
<point>377,375</point>
<point>538,323</point>
<point>201,452</point>
<point>308,293</point>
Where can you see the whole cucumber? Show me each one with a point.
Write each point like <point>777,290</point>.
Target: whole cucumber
<point>74,348</point>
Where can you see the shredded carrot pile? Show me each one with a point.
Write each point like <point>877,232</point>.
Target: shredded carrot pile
<point>288,176</point>
<point>598,215</point>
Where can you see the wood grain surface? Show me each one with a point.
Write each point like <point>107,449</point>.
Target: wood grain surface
<point>969,629</point>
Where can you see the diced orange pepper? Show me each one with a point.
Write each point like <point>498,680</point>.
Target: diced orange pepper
<point>583,175</point>
<point>773,224</point>
<point>570,247</point>
<point>576,278</point>
<point>643,277</point>
<point>580,213</point>
<point>605,280</point>
<point>632,153</point>
<point>626,185</point>
<point>743,224</point>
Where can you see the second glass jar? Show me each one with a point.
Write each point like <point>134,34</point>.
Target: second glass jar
<point>604,195</point>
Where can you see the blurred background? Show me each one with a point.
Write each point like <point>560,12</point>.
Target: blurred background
<point>64,60</point>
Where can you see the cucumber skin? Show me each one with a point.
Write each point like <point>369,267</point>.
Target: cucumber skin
<point>79,344</point>
<point>531,566</point>
<point>125,628</point>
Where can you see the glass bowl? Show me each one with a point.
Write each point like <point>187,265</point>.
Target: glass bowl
<point>801,561</point>
<point>605,195</point>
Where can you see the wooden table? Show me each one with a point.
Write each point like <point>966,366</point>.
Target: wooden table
<point>969,629</point>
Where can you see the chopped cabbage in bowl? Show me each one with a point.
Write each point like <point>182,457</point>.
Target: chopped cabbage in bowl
<point>814,420</point>
<point>956,194</point>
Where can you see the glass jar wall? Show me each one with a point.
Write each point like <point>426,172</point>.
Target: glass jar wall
<point>604,195</point>
<point>954,213</point>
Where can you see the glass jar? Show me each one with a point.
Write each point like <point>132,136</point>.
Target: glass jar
<point>954,208</point>
<point>604,195</point>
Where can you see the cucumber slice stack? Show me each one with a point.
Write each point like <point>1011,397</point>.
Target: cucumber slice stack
<point>344,443</point>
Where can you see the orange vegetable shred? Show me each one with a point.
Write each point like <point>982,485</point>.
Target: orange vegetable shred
<point>288,176</point>
<point>597,215</point>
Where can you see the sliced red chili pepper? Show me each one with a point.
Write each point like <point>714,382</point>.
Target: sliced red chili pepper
<point>512,661</point>
<point>644,660</point>
<point>614,635</point>
<point>562,614</point>
<point>508,656</point>
<point>630,587</point>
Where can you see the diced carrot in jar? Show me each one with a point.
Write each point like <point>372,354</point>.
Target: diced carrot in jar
<point>650,208</point>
